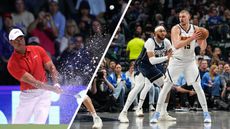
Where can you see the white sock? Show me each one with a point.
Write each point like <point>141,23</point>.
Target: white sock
<point>94,114</point>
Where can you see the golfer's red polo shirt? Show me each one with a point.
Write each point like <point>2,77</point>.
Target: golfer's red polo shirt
<point>32,62</point>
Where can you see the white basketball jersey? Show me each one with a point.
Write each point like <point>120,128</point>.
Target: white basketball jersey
<point>186,52</point>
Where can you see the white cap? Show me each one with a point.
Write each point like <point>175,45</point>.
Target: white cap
<point>14,33</point>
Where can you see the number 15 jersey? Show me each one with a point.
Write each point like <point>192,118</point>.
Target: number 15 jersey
<point>186,53</point>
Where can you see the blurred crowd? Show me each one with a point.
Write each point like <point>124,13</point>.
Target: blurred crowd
<point>116,74</point>
<point>70,31</point>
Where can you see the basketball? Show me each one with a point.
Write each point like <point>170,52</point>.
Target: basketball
<point>204,32</point>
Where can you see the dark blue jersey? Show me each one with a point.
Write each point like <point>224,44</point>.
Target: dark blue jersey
<point>143,59</point>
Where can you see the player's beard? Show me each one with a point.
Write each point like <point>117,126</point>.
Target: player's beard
<point>160,37</point>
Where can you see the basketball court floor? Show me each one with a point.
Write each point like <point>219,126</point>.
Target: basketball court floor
<point>185,120</point>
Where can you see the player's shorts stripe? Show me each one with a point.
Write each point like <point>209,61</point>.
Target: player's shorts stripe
<point>155,77</point>
<point>197,77</point>
<point>177,58</point>
<point>169,75</point>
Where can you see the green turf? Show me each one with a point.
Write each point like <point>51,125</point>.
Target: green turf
<point>33,126</point>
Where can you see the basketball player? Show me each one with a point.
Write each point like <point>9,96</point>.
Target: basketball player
<point>183,37</point>
<point>28,64</point>
<point>150,66</point>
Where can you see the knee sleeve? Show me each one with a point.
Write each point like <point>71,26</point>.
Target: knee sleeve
<point>146,88</point>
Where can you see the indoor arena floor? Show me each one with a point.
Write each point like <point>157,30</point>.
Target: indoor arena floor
<point>185,120</point>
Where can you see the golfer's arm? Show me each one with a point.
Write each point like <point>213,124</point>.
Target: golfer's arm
<point>28,78</point>
<point>53,71</point>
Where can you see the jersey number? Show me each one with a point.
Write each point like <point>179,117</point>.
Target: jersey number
<point>187,46</point>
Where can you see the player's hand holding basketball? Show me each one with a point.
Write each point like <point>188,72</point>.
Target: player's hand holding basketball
<point>196,35</point>
<point>204,33</point>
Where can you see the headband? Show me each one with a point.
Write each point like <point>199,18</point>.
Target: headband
<point>159,28</point>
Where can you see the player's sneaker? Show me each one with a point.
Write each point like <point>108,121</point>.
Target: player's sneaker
<point>139,112</point>
<point>151,108</point>
<point>167,117</point>
<point>207,117</point>
<point>155,117</point>
<point>123,117</point>
<point>97,123</point>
